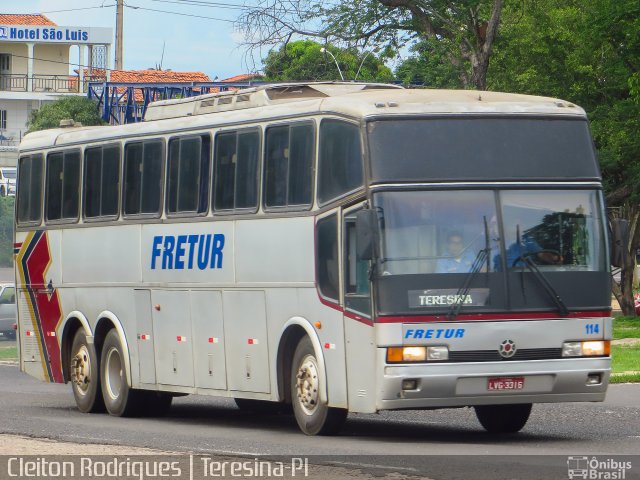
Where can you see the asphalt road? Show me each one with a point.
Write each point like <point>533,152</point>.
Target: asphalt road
<point>391,442</point>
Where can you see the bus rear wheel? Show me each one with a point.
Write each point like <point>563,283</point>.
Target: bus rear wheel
<point>85,375</point>
<point>119,399</point>
<point>313,416</point>
<point>503,418</point>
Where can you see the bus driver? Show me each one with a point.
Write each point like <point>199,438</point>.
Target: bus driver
<point>457,259</point>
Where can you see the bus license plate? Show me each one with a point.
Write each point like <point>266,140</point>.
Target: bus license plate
<point>506,383</point>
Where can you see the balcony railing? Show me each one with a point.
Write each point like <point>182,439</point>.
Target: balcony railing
<point>45,83</point>
<point>11,137</point>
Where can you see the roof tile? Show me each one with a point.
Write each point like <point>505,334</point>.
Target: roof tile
<point>243,77</point>
<point>24,19</point>
<point>157,76</point>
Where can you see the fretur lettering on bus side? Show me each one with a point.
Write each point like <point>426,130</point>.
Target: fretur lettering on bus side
<point>187,251</point>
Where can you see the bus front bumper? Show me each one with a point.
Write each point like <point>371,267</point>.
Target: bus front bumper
<point>466,384</point>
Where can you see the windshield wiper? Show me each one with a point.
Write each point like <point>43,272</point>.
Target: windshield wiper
<point>546,285</point>
<point>482,256</point>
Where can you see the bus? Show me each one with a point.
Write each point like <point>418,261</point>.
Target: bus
<point>321,247</point>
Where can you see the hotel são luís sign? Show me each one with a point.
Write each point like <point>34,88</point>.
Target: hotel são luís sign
<point>55,34</point>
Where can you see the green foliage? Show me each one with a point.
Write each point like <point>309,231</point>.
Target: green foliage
<point>463,29</point>
<point>430,67</point>
<point>6,231</point>
<point>303,61</point>
<point>588,53</point>
<point>79,109</point>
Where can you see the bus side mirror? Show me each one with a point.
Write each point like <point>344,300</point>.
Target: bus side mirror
<point>366,234</point>
<point>619,241</point>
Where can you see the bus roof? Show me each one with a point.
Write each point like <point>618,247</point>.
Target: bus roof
<point>357,100</point>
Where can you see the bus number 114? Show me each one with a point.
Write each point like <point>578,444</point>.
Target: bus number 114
<point>592,328</point>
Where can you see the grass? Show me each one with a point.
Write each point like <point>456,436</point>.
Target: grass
<point>625,359</point>
<point>9,353</point>
<point>626,327</point>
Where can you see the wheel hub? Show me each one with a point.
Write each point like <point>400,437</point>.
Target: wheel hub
<point>113,372</point>
<point>307,385</point>
<point>81,370</point>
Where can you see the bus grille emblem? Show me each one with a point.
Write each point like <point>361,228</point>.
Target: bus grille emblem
<point>507,349</point>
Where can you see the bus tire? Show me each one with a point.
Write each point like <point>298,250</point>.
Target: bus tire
<point>119,399</point>
<point>503,418</point>
<point>3,191</point>
<point>313,416</point>
<point>84,372</point>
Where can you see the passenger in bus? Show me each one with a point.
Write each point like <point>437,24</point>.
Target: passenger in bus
<point>457,259</point>
<point>526,246</point>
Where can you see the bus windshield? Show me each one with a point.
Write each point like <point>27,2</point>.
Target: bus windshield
<point>439,237</point>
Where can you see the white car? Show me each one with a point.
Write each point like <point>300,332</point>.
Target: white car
<point>8,314</point>
<point>7,181</point>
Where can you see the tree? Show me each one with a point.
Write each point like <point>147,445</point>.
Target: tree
<point>464,29</point>
<point>304,60</point>
<point>6,231</point>
<point>79,109</point>
<point>429,67</point>
<point>587,53</point>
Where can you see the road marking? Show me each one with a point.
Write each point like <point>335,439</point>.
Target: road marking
<point>229,452</point>
<point>372,465</point>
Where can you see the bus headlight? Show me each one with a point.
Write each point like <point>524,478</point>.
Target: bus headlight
<point>590,348</point>
<point>437,354</point>
<point>417,354</point>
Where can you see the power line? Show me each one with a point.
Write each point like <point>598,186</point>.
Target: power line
<point>180,14</point>
<point>196,3</point>
<point>75,9</point>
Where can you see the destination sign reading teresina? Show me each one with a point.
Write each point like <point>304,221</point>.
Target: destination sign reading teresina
<point>447,297</point>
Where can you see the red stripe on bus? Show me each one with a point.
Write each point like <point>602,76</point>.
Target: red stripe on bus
<point>347,314</point>
<point>490,317</point>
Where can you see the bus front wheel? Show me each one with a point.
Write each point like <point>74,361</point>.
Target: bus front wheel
<point>84,373</point>
<point>313,416</point>
<point>503,418</point>
<point>119,398</point>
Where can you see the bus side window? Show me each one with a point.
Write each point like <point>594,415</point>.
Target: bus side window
<point>30,189</point>
<point>142,177</point>
<point>188,175</point>
<point>289,165</point>
<point>327,265</point>
<point>236,170</point>
<point>356,272</point>
<point>101,181</point>
<point>340,168</point>
<point>63,185</point>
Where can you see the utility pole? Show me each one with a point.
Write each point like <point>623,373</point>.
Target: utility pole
<point>119,18</point>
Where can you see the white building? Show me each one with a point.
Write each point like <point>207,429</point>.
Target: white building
<point>34,69</point>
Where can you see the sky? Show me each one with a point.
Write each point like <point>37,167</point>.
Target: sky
<point>210,45</point>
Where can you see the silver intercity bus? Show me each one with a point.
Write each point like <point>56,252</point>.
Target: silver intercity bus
<point>339,247</point>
